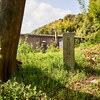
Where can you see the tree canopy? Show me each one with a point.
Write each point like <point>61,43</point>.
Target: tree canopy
<point>86,24</point>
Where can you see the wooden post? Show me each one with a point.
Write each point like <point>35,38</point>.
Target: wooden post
<point>68,49</point>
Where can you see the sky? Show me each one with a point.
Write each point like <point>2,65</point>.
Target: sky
<point>41,12</point>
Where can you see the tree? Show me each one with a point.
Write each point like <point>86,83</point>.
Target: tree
<point>91,25</point>
<point>82,6</point>
<point>11,14</point>
<point>94,12</point>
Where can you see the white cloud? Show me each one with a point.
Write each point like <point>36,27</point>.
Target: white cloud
<point>38,14</point>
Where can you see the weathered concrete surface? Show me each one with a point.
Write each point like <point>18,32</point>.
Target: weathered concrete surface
<point>68,49</point>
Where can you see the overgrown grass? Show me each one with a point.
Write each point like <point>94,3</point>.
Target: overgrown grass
<point>45,77</point>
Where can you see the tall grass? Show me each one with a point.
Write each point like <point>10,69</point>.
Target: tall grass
<point>45,77</point>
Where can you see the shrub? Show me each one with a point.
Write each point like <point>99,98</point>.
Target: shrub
<point>24,48</point>
<point>12,90</point>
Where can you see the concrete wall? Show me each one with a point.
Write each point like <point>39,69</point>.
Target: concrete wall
<point>34,39</point>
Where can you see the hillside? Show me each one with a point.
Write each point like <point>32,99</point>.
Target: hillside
<point>70,23</point>
<point>81,24</point>
<point>86,24</point>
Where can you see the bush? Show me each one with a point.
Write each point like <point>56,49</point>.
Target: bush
<point>13,90</point>
<point>52,48</point>
<point>24,48</point>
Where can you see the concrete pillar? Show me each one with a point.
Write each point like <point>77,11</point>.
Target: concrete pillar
<point>68,49</point>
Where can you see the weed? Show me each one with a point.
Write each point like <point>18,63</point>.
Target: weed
<point>45,77</point>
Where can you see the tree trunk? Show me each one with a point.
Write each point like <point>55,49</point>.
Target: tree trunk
<point>11,20</point>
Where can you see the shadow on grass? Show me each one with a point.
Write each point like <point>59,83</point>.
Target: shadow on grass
<point>88,70</point>
<point>53,88</point>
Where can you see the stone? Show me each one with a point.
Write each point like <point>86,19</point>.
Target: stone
<point>95,81</point>
<point>68,49</point>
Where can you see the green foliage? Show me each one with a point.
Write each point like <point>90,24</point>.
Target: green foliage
<point>52,48</point>
<point>70,23</point>
<point>94,11</point>
<point>82,6</point>
<point>12,90</point>
<point>82,25</point>
<point>85,24</point>
<point>69,17</point>
<point>24,48</point>
<point>44,76</point>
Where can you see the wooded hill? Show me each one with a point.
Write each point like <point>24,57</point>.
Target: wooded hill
<point>70,23</point>
<point>81,24</point>
<point>85,25</point>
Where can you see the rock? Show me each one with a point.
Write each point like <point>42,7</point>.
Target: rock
<point>94,81</point>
